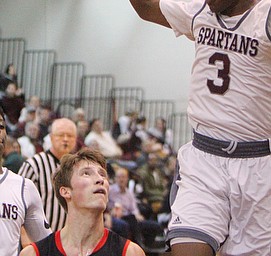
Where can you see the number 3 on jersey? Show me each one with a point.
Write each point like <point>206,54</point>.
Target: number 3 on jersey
<point>221,73</point>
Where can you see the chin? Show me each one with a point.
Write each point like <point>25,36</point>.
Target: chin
<point>65,151</point>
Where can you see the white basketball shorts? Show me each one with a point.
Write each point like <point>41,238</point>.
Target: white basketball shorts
<point>225,202</point>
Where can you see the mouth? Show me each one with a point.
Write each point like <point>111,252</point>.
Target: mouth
<point>100,191</point>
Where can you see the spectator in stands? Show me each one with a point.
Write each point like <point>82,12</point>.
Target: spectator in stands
<point>17,147</point>
<point>123,204</point>
<point>144,142</point>
<point>132,149</point>
<point>12,159</point>
<point>164,134</point>
<point>12,104</point>
<point>30,116</point>
<point>44,119</point>
<point>141,129</point>
<point>169,170</point>
<point>78,115</point>
<point>33,104</point>
<point>3,86</point>
<point>40,167</point>
<point>11,74</point>
<point>123,129</point>
<point>30,143</point>
<point>82,131</point>
<point>102,140</point>
<point>154,144</point>
<point>8,76</point>
<point>153,182</point>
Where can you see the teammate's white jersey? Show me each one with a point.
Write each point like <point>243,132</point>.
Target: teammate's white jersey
<point>39,169</point>
<point>20,204</point>
<point>230,93</point>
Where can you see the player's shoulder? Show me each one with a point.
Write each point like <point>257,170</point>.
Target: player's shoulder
<point>29,184</point>
<point>37,158</point>
<point>134,249</point>
<point>28,251</point>
<point>263,3</point>
<point>11,176</point>
<point>189,6</point>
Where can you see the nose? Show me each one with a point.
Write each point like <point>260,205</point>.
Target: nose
<point>100,179</point>
<point>65,136</point>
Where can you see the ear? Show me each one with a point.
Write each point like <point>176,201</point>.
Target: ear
<point>65,192</point>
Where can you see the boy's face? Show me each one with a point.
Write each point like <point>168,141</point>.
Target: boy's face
<point>122,178</point>
<point>11,89</point>
<point>89,186</point>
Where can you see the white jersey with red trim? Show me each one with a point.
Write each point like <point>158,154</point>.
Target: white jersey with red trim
<point>230,93</point>
<point>20,204</point>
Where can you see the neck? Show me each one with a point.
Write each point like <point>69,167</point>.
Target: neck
<point>240,7</point>
<point>122,189</point>
<point>56,154</point>
<point>89,230</point>
<point>98,131</point>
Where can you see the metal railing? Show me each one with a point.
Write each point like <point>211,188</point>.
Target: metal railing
<point>182,130</point>
<point>66,82</point>
<point>37,73</point>
<point>152,109</point>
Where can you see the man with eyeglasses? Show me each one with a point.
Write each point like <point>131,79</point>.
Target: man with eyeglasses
<point>41,166</point>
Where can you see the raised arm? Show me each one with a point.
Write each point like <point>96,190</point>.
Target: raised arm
<point>149,10</point>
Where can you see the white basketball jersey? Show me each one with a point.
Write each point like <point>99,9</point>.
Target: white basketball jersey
<point>230,93</point>
<point>12,212</point>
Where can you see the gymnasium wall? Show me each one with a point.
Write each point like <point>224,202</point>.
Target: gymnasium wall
<point>109,37</point>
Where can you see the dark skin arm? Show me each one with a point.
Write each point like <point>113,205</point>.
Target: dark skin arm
<point>191,249</point>
<point>149,10</point>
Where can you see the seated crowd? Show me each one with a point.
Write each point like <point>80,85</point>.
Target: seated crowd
<point>140,161</point>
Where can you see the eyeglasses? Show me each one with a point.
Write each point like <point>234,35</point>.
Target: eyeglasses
<point>62,135</point>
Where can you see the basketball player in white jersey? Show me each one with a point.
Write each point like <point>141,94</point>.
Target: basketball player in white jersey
<point>20,205</point>
<point>221,198</point>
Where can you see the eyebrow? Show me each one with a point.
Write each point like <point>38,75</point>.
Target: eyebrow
<point>100,168</point>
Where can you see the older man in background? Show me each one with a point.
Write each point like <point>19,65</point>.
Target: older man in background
<point>41,166</point>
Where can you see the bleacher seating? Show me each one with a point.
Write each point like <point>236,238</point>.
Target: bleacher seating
<point>66,86</point>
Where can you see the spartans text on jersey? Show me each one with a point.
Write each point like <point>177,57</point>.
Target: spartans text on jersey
<point>8,211</point>
<point>228,41</point>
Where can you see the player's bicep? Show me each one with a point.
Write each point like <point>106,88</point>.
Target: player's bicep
<point>149,10</point>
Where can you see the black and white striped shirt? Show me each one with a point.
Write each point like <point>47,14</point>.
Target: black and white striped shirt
<point>39,169</point>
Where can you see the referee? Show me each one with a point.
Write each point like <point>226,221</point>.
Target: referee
<point>40,167</point>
